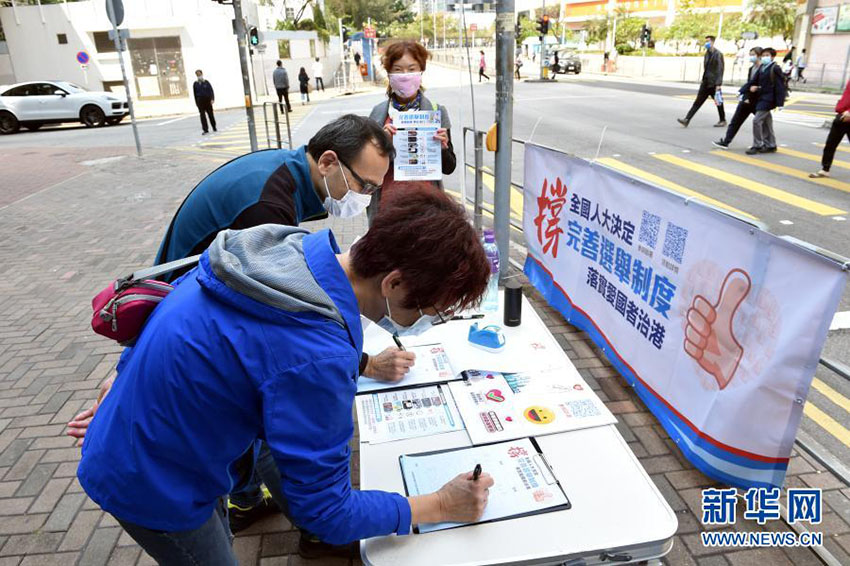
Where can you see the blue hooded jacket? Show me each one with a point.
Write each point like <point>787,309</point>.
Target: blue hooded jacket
<point>261,340</point>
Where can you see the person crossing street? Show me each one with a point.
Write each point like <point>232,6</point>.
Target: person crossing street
<point>712,79</point>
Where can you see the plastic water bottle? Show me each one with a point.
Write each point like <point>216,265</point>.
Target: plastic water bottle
<point>491,298</point>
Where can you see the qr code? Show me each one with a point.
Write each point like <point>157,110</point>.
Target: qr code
<point>674,242</point>
<point>649,226</point>
<point>581,409</point>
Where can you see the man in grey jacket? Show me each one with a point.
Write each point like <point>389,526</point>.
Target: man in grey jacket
<point>281,85</point>
<point>712,79</point>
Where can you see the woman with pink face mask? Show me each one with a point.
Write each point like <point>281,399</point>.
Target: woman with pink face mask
<point>405,62</point>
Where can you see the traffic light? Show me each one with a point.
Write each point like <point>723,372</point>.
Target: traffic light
<point>253,36</point>
<point>543,24</point>
<point>645,36</point>
<point>344,34</point>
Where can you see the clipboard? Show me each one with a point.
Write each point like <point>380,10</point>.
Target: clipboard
<point>536,456</point>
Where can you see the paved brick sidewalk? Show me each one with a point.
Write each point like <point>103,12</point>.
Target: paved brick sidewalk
<point>63,244</point>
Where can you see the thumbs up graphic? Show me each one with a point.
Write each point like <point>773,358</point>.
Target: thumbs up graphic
<point>708,335</point>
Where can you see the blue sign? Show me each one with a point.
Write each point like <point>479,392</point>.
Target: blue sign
<point>82,57</point>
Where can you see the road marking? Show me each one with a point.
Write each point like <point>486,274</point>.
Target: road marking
<point>791,172</point>
<point>831,394</point>
<point>346,111</point>
<point>661,182</point>
<point>516,195</point>
<point>470,207</point>
<point>754,186</point>
<point>839,148</point>
<point>786,222</point>
<point>812,157</point>
<point>826,422</point>
<point>839,218</point>
<point>840,321</point>
<point>174,120</point>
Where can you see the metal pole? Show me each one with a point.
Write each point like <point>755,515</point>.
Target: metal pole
<point>504,127</point>
<point>119,47</point>
<point>479,180</point>
<point>543,47</point>
<point>246,81</point>
<point>434,17</point>
<point>421,24</point>
<point>846,65</point>
<point>342,58</point>
<point>277,126</point>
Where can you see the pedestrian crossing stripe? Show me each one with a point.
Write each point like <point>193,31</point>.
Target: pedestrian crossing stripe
<point>839,148</point>
<point>754,186</point>
<point>827,423</point>
<point>812,157</point>
<point>775,167</point>
<point>516,194</point>
<point>661,182</point>
<point>831,394</point>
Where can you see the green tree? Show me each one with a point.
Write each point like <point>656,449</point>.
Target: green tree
<point>775,17</point>
<point>734,25</point>
<point>628,31</point>
<point>689,29</point>
<point>597,30</point>
<point>356,13</point>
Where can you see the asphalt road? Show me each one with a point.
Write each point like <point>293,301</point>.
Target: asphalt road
<point>641,136</point>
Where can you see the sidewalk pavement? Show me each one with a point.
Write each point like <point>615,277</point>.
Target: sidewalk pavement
<point>63,244</point>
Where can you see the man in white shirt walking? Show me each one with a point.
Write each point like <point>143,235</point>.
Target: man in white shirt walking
<point>318,72</point>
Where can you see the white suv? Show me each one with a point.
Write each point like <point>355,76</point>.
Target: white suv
<point>34,104</point>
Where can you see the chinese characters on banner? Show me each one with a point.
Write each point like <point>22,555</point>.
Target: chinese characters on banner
<point>699,311</point>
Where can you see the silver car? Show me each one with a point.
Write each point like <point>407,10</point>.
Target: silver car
<point>36,103</point>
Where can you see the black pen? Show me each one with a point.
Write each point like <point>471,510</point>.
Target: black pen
<point>467,316</point>
<point>398,342</point>
<point>476,473</point>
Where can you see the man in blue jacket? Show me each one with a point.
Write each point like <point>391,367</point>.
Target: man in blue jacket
<point>263,339</point>
<point>769,86</point>
<point>204,100</point>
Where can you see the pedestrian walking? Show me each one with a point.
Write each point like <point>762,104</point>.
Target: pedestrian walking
<point>840,128</point>
<point>769,86</point>
<point>482,66</point>
<point>304,86</point>
<point>281,85</point>
<point>801,66</point>
<point>746,102</point>
<point>712,79</point>
<point>318,73</point>
<point>518,65</point>
<point>404,62</point>
<point>357,58</point>
<point>204,100</point>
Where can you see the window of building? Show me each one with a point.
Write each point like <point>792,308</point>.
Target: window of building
<point>158,67</point>
<point>312,49</point>
<point>283,50</point>
<point>290,13</point>
<point>62,38</point>
<point>102,43</point>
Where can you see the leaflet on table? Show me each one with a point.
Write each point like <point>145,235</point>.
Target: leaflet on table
<point>524,484</point>
<point>407,413</point>
<point>499,406</point>
<point>418,156</point>
<point>431,366</point>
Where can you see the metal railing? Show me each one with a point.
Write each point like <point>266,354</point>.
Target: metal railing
<point>276,122</point>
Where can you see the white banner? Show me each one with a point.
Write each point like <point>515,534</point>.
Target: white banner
<point>718,325</point>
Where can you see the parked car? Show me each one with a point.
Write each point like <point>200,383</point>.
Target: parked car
<point>568,62</point>
<point>36,103</point>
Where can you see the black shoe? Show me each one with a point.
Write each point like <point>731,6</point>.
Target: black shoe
<point>241,518</point>
<point>753,150</point>
<point>215,130</point>
<point>683,121</point>
<point>767,150</point>
<point>722,144</point>
<point>204,133</point>
<point>310,547</point>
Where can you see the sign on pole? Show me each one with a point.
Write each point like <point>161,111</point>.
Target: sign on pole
<point>369,32</point>
<point>473,27</point>
<point>82,57</point>
<point>115,12</point>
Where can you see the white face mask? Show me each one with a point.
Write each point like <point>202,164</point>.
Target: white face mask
<point>351,204</point>
<point>422,324</point>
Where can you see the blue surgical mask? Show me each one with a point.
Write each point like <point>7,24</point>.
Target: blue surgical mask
<point>765,59</point>
<point>753,58</point>
<point>422,324</point>
<point>708,45</point>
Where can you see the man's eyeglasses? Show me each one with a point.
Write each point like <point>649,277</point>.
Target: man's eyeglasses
<point>442,317</point>
<point>366,187</point>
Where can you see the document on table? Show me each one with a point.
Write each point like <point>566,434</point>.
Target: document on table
<point>431,366</point>
<point>407,413</point>
<point>524,484</point>
<point>499,406</point>
<point>418,156</point>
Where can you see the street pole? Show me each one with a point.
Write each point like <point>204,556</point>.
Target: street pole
<point>543,47</point>
<point>119,46</point>
<point>243,63</point>
<point>421,24</point>
<point>504,127</point>
<point>434,22</point>
<point>342,63</point>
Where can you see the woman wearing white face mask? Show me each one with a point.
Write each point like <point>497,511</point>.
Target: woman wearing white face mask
<point>405,62</point>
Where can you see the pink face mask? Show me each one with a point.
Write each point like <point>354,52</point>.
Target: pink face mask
<point>405,85</point>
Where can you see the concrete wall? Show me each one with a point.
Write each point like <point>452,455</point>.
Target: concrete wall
<point>7,72</point>
<point>828,54</point>
<point>204,28</point>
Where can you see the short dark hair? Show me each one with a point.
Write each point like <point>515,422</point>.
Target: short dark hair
<point>804,50</point>
<point>770,51</point>
<point>279,62</point>
<point>427,236</point>
<point>199,71</point>
<point>757,50</point>
<point>347,135</point>
<point>711,37</point>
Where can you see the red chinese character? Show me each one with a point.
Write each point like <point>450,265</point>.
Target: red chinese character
<point>517,451</point>
<point>549,212</point>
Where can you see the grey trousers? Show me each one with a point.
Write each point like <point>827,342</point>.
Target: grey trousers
<point>763,130</point>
